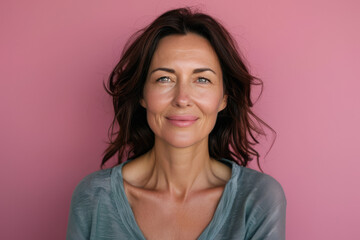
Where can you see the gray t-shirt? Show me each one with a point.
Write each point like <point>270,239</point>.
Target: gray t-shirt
<point>252,206</point>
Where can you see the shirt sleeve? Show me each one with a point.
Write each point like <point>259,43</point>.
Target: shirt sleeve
<point>267,221</point>
<point>79,223</point>
<point>271,226</point>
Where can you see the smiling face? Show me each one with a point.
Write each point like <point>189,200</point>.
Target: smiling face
<point>183,92</point>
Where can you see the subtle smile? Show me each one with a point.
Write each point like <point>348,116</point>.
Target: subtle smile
<point>182,120</point>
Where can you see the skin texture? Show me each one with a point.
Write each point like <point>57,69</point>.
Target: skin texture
<point>175,187</point>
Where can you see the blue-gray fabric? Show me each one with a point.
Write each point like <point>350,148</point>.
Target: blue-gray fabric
<point>252,206</point>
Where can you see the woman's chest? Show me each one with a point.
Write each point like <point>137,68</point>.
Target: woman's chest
<point>160,218</point>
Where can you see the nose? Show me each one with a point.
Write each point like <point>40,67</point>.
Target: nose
<point>182,95</point>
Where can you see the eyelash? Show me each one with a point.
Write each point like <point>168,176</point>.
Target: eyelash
<point>168,79</point>
<point>162,78</point>
<point>206,80</point>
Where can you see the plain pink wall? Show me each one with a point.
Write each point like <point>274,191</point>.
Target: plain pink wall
<point>54,56</point>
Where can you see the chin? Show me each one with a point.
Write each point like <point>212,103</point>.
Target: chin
<point>183,141</point>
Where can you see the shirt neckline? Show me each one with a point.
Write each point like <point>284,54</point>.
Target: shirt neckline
<point>221,213</point>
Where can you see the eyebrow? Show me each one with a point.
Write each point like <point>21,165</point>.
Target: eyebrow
<point>170,70</point>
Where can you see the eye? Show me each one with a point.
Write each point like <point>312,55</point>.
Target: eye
<point>163,79</point>
<point>203,80</point>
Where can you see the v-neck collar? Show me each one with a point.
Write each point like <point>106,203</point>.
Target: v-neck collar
<point>221,213</point>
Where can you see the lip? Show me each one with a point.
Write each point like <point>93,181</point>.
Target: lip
<point>182,120</point>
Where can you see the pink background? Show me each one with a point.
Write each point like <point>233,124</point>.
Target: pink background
<point>54,56</point>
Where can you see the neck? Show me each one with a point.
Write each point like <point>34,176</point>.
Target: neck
<point>179,170</point>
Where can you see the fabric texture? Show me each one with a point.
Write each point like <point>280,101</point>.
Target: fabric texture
<point>252,206</point>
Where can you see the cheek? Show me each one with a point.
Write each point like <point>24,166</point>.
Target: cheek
<point>211,103</point>
<point>155,102</point>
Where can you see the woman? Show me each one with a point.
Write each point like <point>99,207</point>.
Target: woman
<point>181,95</point>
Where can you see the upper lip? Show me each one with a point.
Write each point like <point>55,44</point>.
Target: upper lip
<point>182,117</point>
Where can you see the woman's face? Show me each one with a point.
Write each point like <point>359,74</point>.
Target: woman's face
<point>183,92</point>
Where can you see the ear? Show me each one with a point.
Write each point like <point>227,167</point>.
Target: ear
<point>143,103</point>
<point>223,103</point>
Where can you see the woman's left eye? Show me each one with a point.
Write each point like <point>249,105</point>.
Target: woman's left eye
<point>203,80</point>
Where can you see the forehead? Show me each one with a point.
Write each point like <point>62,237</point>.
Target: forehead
<point>190,47</point>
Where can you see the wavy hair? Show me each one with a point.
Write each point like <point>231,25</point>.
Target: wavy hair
<point>237,128</point>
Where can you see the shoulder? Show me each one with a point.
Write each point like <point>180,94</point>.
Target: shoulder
<point>264,204</point>
<point>260,203</point>
<point>261,184</point>
<point>89,192</point>
<point>92,185</point>
<point>256,191</point>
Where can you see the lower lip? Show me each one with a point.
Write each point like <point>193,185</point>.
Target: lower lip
<point>181,123</point>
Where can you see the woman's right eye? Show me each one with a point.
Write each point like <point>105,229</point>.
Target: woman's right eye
<point>163,79</point>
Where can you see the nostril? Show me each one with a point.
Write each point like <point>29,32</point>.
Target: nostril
<point>182,101</point>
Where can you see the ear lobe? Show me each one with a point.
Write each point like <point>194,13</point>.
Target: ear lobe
<point>223,103</point>
<point>142,103</point>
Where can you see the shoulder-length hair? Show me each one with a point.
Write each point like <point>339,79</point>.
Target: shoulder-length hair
<point>235,132</point>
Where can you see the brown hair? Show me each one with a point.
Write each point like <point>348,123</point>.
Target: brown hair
<point>233,136</point>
